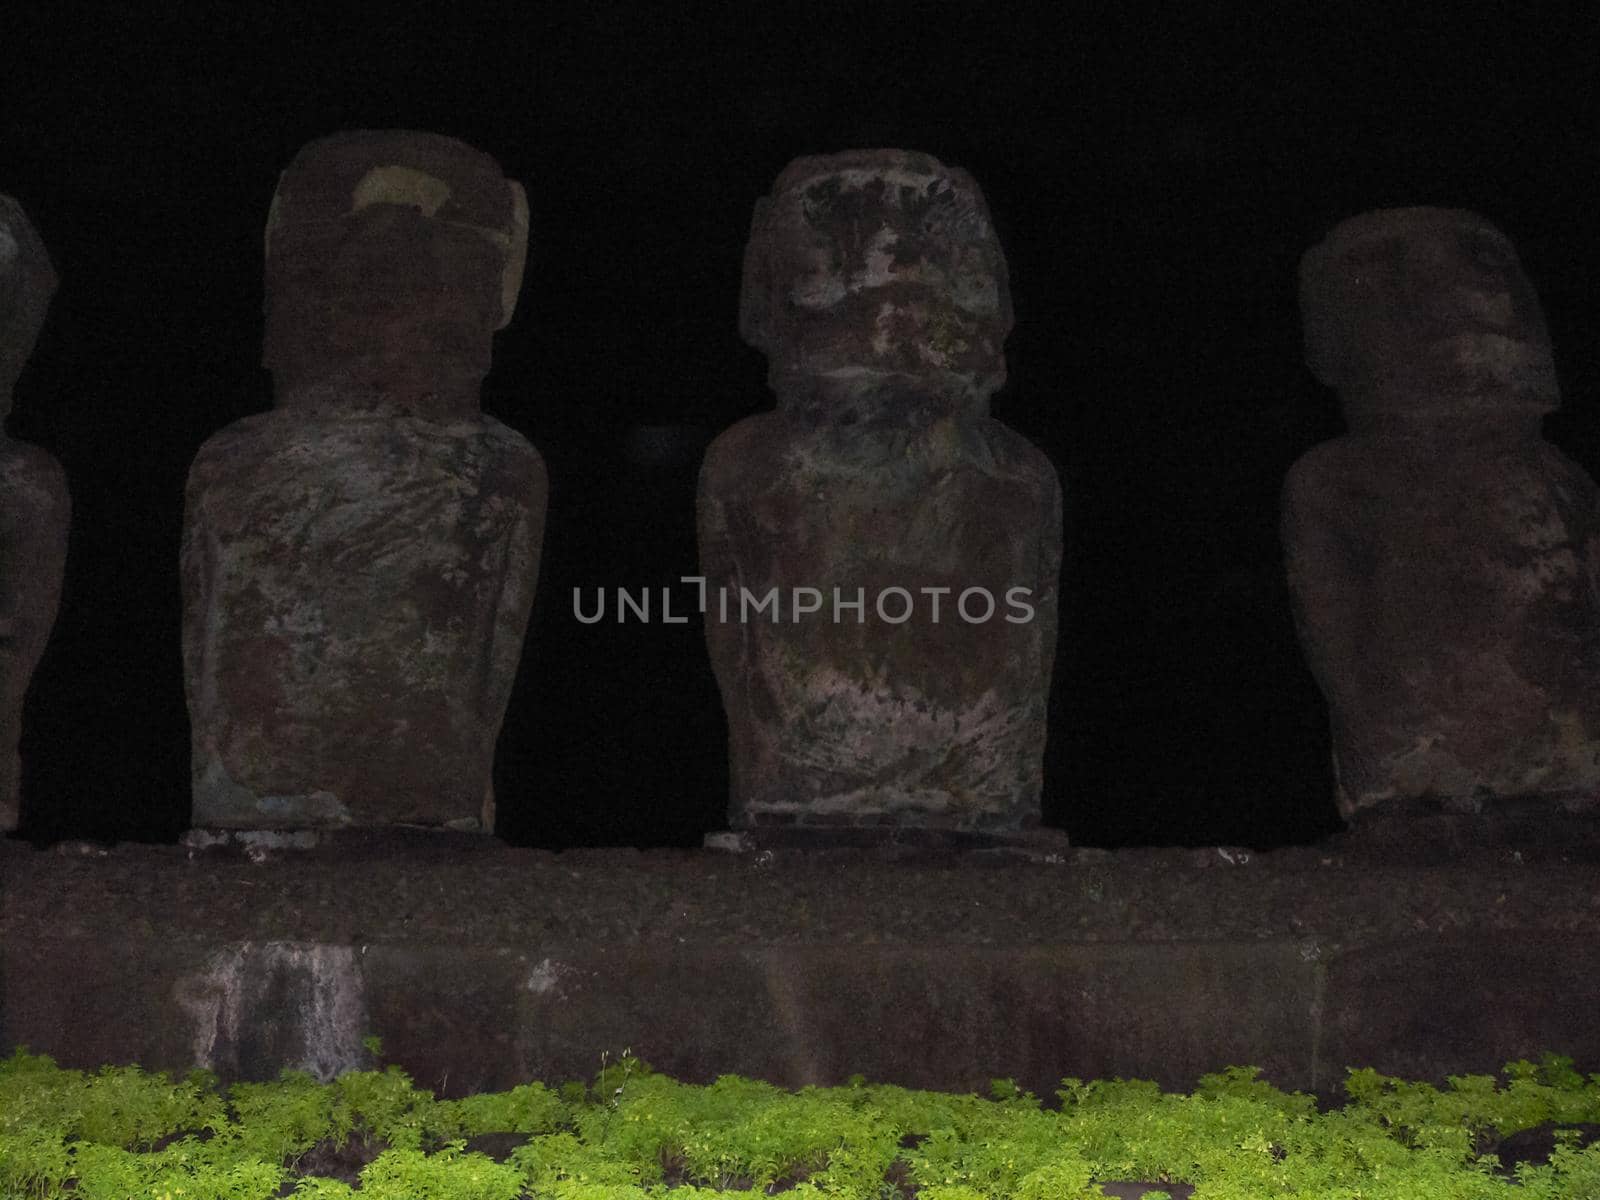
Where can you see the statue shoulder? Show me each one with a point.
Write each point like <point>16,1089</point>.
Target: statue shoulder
<point>513,464</point>
<point>1322,468</point>
<point>498,433</point>
<point>1571,475</point>
<point>1013,448</point>
<point>31,459</point>
<point>747,449</point>
<point>235,437</point>
<point>34,471</point>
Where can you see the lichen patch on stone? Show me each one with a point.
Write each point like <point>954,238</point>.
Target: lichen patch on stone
<point>400,185</point>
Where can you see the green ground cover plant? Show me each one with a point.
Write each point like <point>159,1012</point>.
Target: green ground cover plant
<point>120,1133</point>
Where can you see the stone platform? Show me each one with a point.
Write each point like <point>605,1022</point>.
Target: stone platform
<point>481,966</point>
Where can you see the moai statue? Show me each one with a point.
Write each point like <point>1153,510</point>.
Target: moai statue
<point>907,544</point>
<point>35,510</point>
<point>1443,560</point>
<point>359,563</point>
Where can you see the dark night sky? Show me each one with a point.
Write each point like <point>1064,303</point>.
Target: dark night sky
<point>1154,183</point>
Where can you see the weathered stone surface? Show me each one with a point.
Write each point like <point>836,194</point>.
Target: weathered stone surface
<point>359,564</point>
<point>35,510</point>
<point>481,966</point>
<point>1443,560</point>
<point>1477,998</point>
<point>877,289</point>
<point>256,1007</point>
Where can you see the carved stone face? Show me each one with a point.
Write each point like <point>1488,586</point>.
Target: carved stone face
<point>1425,310</point>
<point>877,263</point>
<point>392,257</point>
<point>27,283</point>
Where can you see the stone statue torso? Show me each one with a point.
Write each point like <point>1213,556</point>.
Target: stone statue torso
<point>937,717</point>
<point>376,575</point>
<point>1467,570</point>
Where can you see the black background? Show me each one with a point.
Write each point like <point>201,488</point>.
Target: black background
<point>1154,180</point>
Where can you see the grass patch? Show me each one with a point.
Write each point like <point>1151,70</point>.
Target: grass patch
<point>121,1132</point>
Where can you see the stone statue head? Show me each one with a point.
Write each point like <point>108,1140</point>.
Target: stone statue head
<point>27,283</point>
<point>392,257</point>
<point>877,264</point>
<point>1424,310</point>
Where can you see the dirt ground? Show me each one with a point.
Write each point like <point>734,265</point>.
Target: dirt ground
<point>410,885</point>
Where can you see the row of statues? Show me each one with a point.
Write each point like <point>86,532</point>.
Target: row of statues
<point>359,563</point>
